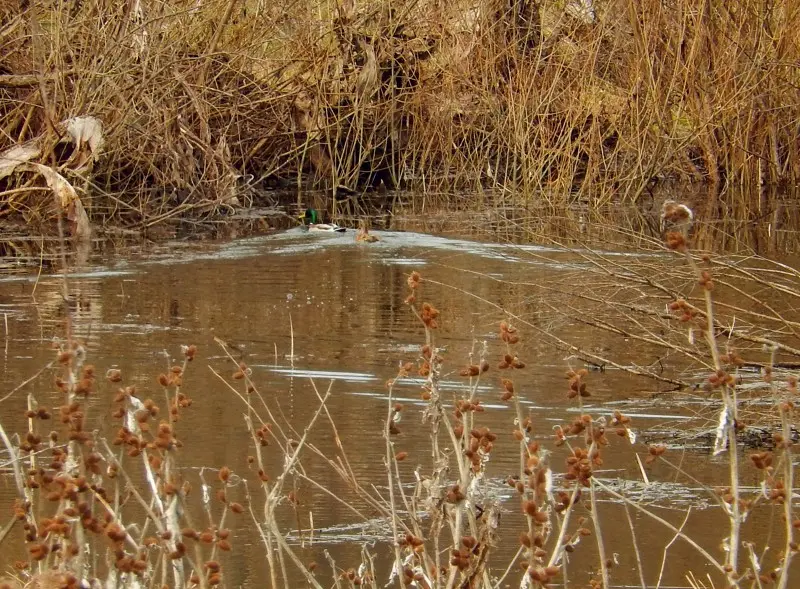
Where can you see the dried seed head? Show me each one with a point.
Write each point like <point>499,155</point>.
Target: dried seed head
<point>471,370</point>
<point>224,545</point>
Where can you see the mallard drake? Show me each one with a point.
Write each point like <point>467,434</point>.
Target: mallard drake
<point>311,219</point>
<point>363,234</point>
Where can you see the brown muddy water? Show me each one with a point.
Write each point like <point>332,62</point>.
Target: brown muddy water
<point>302,310</point>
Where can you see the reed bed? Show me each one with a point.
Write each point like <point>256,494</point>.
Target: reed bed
<point>204,106</point>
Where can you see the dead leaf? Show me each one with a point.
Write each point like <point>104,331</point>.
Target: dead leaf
<point>68,200</point>
<point>19,154</point>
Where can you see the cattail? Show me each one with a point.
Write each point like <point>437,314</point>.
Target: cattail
<point>224,474</point>
<point>237,508</point>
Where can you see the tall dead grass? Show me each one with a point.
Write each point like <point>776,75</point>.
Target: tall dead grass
<point>205,104</point>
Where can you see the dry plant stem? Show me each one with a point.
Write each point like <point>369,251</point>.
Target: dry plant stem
<point>8,395</point>
<point>635,548</point>
<point>293,457</point>
<point>437,417</point>
<point>267,538</point>
<point>791,326</point>
<point>788,483</point>
<point>285,548</point>
<point>161,526</point>
<point>14,459</point>
<point>398,559</point>
<point>670,543</point>
<point>729,400</point>
<point>665,523</point>
<point>678,470</point>
<point>71,366</point>
<point>18,479</point>
<point>559,342</point>
<point>156,519</point>
<point>273,495</point>
<point>524,454</point>
<point>558,549</point>
<point>336,582</point>
<point>250,383</point>
<point>499,582</point>
<point>601,550</point>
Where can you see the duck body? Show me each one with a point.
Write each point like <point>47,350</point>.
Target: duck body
<point>364,236</point>
<point>310,223</point>
<point>325,227</point>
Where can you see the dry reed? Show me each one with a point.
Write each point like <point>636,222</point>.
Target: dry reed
<point>538,105</point>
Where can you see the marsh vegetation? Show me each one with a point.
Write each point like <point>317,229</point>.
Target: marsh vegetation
<point>306,410</point>
<point>461,425</point>
<point>156,112</point>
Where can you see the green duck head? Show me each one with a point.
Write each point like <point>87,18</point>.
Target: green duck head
<point>310,217</point>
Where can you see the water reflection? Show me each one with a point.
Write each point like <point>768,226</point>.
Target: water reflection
<point>318,311</point>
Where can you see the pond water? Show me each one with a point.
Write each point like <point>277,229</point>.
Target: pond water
<point>304,311</point>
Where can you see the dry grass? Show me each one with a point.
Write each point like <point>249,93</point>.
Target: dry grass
<point>204,104</point>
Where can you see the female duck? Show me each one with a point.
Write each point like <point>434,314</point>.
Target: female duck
<point>364,235</point>
<point>311,222</point>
